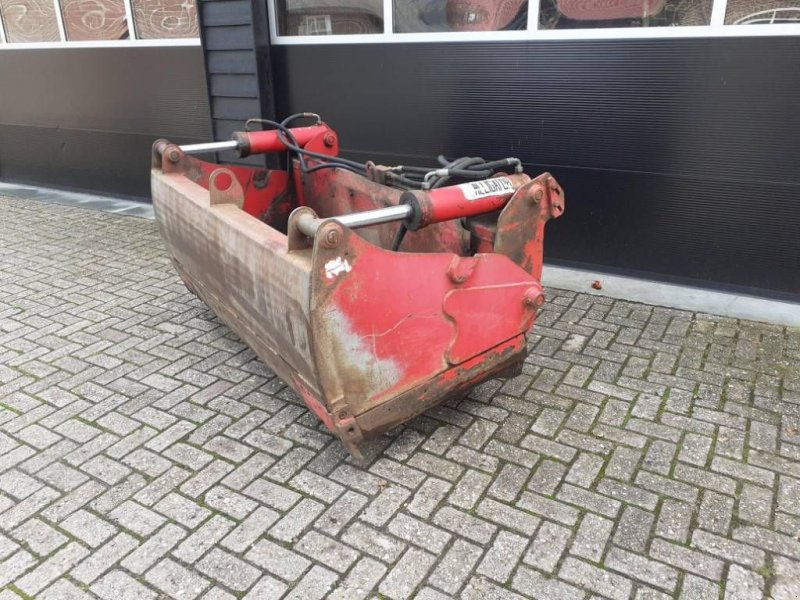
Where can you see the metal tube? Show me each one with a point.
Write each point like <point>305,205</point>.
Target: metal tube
<point>209,147</point>
<point>308,225</point>
<point>375,217</point>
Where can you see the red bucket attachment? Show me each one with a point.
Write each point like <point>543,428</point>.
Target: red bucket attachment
<point>301,267</point>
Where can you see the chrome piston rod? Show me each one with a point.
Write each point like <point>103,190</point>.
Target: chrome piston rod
<point>309,225</point>
<point>209,147</point>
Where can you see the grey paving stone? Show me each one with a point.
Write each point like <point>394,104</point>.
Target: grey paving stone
<point>418,532</point>
<point>469,489</point>
<point>590,577</point>
<point>585,469</point>
<point>315,585</point>
<point>689,560</point>
<point>199,542</point>
<point>231,571</point>
<point>229,502</point>
<point>87,527</point>
<point>272,494</point>
<point>716,512</point>
<point>360,580</point>
<point>118,585</point>
<point>136,518</point>
<point>728,549</point>
<point>15,565</point>
<point>742,584</point>
<point>52,568</point>
<point>640,568</point>
<point>456,566</point>
<point>326,550</point>
<point>466,525</point>
<point>407,574</point>
<point>766,539</point>
<point>508,516</point>
<point>290,527</point>
<point>509,482</point>
<point>428,497</point>
<point>502,556</point>
<point>156,546</point>
<point>547,477</point>
<point>60,590</point>
<point>548,546</point>
<point>697,588</point>
<point>341,512</point>
<point>249,530</point>
<point>145,452</point>
<point>277,560</point>
<point>551,509</point>
<point>674,520</point>
<point>40,537</point>
<point>103,559</point>
<point>373,542</point>
<point>755,504</point>
<point>533,584</point>
<point>592,536</point>
<point>383,506</point>
<point>175,580</point>
<point>787,579</point>
<point>268,588</point>
<point>634,529</point>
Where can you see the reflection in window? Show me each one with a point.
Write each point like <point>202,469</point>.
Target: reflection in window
<point>29,20</point>
<point>762,12</point>
<point>459,15</point>
<point>329,17</point>
<point>158,19</point>
<point>590,14</point>
<point>94,19</point>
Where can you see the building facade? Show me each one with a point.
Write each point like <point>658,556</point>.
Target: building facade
<point>671,124</point>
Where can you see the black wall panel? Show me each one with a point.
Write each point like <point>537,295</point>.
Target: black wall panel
<point>679,157</point>
<point>235,35</point>
<point>85,118</point>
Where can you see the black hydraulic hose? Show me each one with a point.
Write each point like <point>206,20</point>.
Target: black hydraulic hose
<point>332,165</point>
<point>403,176</point>
<point>471,174</point>
<point>291,144</point>
<point>505,162</point>
<point>398,237</point>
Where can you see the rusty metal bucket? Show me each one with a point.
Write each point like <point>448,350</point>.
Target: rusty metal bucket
<point>367,336</point>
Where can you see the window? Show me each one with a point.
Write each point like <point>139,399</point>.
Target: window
<point>347,21</point>
<point>762,12</point>
<point>330,17</point>
<point>459,15</point>
<point>165,19</point>
<point>87,21</point>
<point>585,14</point>
<point>29,21</point>
<point>94,20</point>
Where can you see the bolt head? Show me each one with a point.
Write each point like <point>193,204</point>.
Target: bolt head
<point>174,155</point>
<point>329,140</point>
<point>332,237</point>
<point>538,194</point>
<point>533,298</point>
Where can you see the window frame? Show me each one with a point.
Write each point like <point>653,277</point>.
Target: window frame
<point>715,28</point>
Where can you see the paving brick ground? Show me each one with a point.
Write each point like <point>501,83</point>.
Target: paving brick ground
<point>145,453</point>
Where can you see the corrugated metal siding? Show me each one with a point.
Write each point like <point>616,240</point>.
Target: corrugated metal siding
<point>86,118</point>
<point>679,157</point>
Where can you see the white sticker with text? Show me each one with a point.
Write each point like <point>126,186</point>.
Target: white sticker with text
<point>488,187</point>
